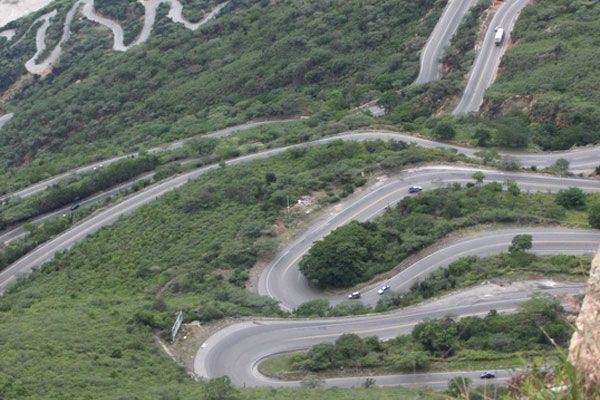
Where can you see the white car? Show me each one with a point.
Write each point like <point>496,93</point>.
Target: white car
<point>414,189</point>
<point>384,288</point>
<point>354,295</point>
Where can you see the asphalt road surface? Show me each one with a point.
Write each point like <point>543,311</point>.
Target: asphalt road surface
<point>236,350</point>
<point>42,185</point>
<point>580,160</point>
<point>14,233</point>
<point>5,118</point>
<point>439,39</point>
<point>486,64</point>
<point>283,281</point>
<point>425,176</point>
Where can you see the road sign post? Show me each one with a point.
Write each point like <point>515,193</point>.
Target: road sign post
<point>176,326</point>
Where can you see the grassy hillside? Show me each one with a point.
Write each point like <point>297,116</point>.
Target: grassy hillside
<point>552,73</point>
<point>82,326</point>
<point>259,59</point>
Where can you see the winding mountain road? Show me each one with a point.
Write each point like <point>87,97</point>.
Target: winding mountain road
<point>87,9</point>
<point>583,159</point>
<point>488,60</point>
<point>44,184</point>
<point>236,350</point>
<point>438,175</point>
<point>439,39</point>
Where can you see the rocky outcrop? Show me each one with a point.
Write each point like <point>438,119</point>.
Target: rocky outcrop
<point>584,352</point>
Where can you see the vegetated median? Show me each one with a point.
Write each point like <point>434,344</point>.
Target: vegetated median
<point>94,309</point>
<point>462,273</point>
<point>359,251</point>
<point>537,331</point>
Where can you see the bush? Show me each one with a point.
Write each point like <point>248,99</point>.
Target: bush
<point>521,243</point>
<point>313,308</point>
<point>571,198</point>
<point>594,216</point>
<point>444,130</point>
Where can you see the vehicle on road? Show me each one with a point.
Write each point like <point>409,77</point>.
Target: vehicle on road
<point>74,207</point>
<point>414,189</point>
<point>383,289</point>
<point>354,295</point>
<point>487,375</point>
<point>499,36</point>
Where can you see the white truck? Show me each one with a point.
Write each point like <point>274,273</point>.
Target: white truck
<point>499,36</point>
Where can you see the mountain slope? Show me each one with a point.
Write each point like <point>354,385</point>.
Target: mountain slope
<point>258,59</point>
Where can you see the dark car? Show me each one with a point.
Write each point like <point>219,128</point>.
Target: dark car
<point>414,189</point>
<point>74,207</point>
<point>487,375</point>
<point>354,295</point>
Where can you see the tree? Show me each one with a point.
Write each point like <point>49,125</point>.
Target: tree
<point>270,177</point>
<point>313,308</point>
<point>561,166</point>
<point>220,389</point>
<point>512,187</point>
<point>444,130</point>
<point>594,215</point>
<point>412,361</point>
<point>369,383</point>
<point>512,132</point>
<point>478,177</point>
<point>572,198</point>
<point>351,346</point>
<point>521,243</point>
<point>312,382</point>
<point>438,336</point>
<point>344,256</point>
<point>323,356</point>
<point>482,136</point>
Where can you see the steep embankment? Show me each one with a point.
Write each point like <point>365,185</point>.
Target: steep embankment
<point>585,344</point>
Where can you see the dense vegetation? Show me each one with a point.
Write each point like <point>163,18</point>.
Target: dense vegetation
<point>92,311</point>
<point>358,251</point>
<point>259,59</point>
<point>538,326</point>
<point>76,188</point>
<point>553,72</point>
<point>129,13</point>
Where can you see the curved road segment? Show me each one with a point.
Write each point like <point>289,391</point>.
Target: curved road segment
<point>580,160</point>
<point>439,39</point>
<point>236,350</point>
<point>486,64</point>
<point>437,175</point>
<point>43,185</point>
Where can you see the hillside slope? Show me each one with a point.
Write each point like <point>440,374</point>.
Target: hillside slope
<point>551,73</point>
<point>258,59</point>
